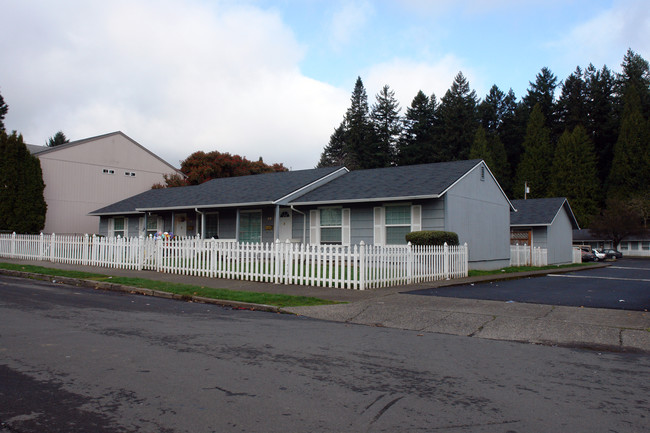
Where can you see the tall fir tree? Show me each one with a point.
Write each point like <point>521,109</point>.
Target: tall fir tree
<point>635,72</point>
<point>458,120</point>
<point>513,128</point>
<point>22,204</point>
<point>387,123</point>
<point>542,92</point>
<point>416,144</point>
<point>574,174</point>
<point>500,166</point>
<point>534,168</point>
<point>602,117</point>
<point>4,108</point>
<point>630,173</point>
<point>493,109</point>
<point>335,153</point>
<point>480,148</point>
<point>572,103</point>
<point>355,141</point>
<point>362,151</point>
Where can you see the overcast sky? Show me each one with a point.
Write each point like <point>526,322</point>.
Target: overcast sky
<point>273,79</point>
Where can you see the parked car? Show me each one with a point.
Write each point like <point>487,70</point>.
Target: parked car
<point>587,256</point>
<point>613,254</point>
<point>599,255</point>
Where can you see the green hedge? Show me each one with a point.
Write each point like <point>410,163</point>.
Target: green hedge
<point>430,237</point>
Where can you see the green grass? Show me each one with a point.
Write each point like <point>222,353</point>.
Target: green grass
<point>188,290</point>
<point>511,269</point>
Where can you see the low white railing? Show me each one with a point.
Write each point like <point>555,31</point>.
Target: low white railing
<point>352,267</point>
<point>524,255</point>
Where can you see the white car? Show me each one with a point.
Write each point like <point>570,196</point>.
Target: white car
<point>599,255</point>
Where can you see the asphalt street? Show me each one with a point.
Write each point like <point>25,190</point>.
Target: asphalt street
<point>80,360</point>
<point>625,285</point>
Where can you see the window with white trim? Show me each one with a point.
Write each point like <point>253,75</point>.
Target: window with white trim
<point>392,222</point>
<point>118,226</point>
<point>398,224</point>
<point>211,229</point>
<point>331,225</point>
<point>250,226</point>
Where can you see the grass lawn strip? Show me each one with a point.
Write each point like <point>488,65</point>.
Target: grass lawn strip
<point>512,269</point>
<point>278,300</point>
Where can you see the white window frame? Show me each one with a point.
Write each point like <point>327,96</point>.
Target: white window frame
<point>380,225</point>
<point>144,231</point>
<point>315,225</point>
<point>111,227</point>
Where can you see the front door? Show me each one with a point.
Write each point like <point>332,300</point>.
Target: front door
<point>180,224</point>
<point>285,225</point>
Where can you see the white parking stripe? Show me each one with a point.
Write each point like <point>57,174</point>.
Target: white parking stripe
<point>635,269</point>
<point>599,278</point>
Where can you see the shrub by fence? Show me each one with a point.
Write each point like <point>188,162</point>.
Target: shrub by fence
<point>353,267</point>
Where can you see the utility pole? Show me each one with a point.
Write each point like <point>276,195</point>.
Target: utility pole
<point>526,189</point>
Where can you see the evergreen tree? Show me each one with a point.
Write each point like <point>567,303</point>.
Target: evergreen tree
<point>513,128</point>
<point>602,117</point>
<point>534,168</point>
<point>500,166</point>
<point>58,139</point>
<point>480,148</point>
<point>416,145</point>
<point>635,73</point>
<point>573,174</point>
<point>542,92</point>
<point>630,171</point>
<point>362,150</point>
<point>355,140</point>
<point>334,153</point>
<point>4,108</point>
<point>572,103</point>
<point>22,205</point>
<point>493,109</point>
<point>488,147</point>
<point>386,120</point>
<point>458,120</point>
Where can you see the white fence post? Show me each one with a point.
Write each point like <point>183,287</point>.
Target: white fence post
<point>409,263</point>
<point>445,255</point>
<point>362,265</point>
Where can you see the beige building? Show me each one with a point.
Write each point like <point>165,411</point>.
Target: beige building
<point>85,175</point>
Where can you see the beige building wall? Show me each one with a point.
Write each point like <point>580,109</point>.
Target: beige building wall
<point>85,175</point>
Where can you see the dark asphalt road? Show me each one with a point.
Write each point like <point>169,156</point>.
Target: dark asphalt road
<point>625,285</point>
<point>77,360</point>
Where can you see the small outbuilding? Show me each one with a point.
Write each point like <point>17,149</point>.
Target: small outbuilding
<point>546,223</point>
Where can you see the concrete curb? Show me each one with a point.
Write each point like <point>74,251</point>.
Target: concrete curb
<point>112,287</point>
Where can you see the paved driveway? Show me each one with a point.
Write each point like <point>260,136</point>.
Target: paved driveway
<point>624,285</point>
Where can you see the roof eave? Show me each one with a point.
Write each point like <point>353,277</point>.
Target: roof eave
<point>366,200</point>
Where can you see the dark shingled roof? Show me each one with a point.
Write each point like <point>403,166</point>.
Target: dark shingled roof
<point>242,190</point>
<point>539,211</point>
<point>424,180</point>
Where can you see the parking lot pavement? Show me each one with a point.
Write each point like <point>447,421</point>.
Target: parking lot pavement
<point>625,285</point>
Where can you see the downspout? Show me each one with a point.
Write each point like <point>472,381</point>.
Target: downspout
<point>304,221</point>
<point>196,209</point>
<point>276,231</point>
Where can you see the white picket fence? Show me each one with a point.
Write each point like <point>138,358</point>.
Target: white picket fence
<point>352,267</point>
<point>522,255</point>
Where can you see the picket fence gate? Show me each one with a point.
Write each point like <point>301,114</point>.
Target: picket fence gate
<point>352,267</point>
<point>525,255</point>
